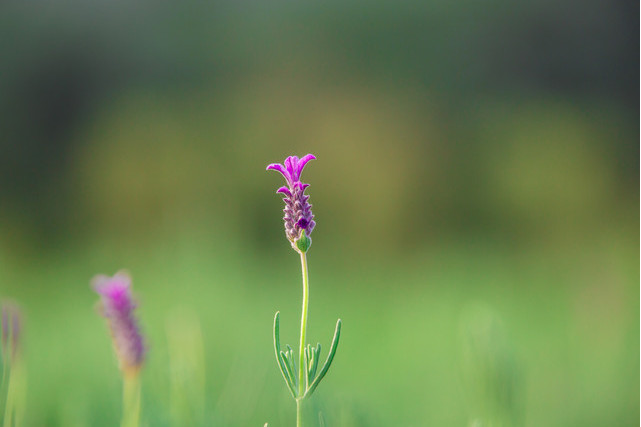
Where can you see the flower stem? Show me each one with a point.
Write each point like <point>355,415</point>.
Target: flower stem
<point>8,407</point>
<point>303,331</point>
<point>4,387</point>
<point>131,401</point>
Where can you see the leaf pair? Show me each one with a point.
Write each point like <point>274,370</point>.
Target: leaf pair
<point>287,363</point>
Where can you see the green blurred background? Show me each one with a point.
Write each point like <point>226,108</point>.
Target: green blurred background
<point>476,196</point>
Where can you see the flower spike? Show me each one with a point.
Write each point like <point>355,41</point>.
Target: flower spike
<point>298,219</point>
<point>117,306</point>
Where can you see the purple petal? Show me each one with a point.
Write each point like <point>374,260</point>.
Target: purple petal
<point>285,191</point>
<point>302,162</point>
<point>291,165</point>
<point>302,223</point>
<point>111,286</point>
<point>115,292</point>
<point>280,168</point>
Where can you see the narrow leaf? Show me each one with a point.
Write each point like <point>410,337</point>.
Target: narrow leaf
<point>277,350</point>
<point>290,371</point>
<point>316,352</point>
<point>290,356</point>
<point>328,362</point>
<point>307,358</point>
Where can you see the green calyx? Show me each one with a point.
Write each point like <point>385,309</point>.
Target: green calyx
<point>303,242</point>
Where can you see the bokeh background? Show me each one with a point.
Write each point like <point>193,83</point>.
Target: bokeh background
<point>476,194</point>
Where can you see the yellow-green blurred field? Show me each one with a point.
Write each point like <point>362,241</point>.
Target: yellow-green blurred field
<point>476,197</point>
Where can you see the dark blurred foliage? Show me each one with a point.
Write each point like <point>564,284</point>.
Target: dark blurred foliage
<point>469,78</point>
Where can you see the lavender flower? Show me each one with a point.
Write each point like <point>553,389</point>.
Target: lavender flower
<point>5,328</point>
<point>11,328</point>
<point>299,224</point>
<point>117,306</point>
<point>298,210</point>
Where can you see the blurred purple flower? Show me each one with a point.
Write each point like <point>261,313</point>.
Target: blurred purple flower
<point>5,328</point>
<point>117,306</point>
<point>11,329</point>
<point>298,210</point>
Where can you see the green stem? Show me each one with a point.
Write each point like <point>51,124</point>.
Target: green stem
<point>4,387</point>
<point>8,407</point>
<point>302,384</point>
<point>131,401</point>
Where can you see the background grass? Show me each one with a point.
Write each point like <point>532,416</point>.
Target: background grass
<point>402,357</point>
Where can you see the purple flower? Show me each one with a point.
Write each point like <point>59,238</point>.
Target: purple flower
<point>117,306</point>
<point>11,329</point>
<point>298,210</point>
